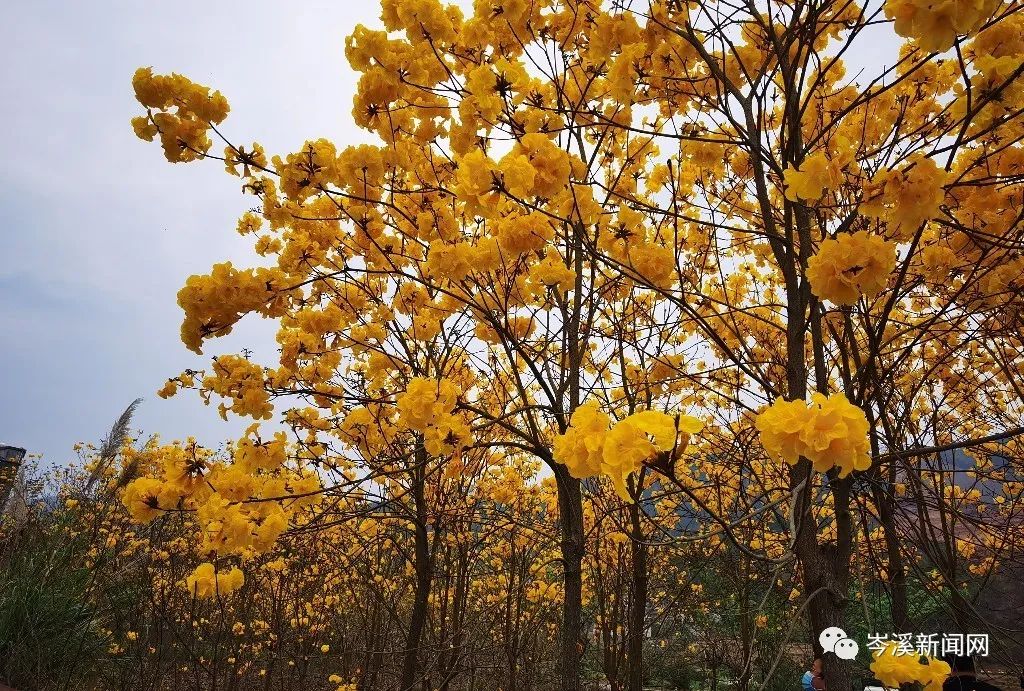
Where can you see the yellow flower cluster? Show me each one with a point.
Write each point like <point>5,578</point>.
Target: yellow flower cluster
<point>904,199</point>
<point>238,506</point>
<point>185,113</point>
<point>207,582</point>
<point>589,447</point>
<point>520,234</point>
<point>552,271</point>
<point>550,165</point>
<point>894,670</point>
<point>306,172</point>
<point>233,158</point>
<point>829,432</point>
<point>452,262</point>
<point>820,172</point>
<point>935,25</point>
<point>254,454</point>
<point>425,401</point>
<point>231,527</point>
<point>189,479</point>
<point>656,263</point>
<point>851,265</point>
<point>214,303</point>
<point>182,469</point>
<point>1001,283</point>
<point>581,447</point>
<point>242,381</point>
<point>535,167</point>
<point>365,429</point>
<point>474,182</point>
<point>426,406</point>
<point>142,498</point>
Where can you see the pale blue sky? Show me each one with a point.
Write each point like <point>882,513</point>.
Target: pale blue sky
<point>98,232</point>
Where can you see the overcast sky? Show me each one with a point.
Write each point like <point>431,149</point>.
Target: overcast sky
<point>98,232</point>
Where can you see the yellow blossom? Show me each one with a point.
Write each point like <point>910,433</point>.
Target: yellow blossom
<point>206,581</point>
<point>830,431</point>
<point>851,265</point>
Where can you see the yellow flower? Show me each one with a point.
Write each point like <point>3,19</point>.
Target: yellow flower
<point>184,113</point>
<point>780,425</point>
<point>550,163</point>
<point>851,265</point>
<point>935,25</point>
<point>938,260</point>
<point>141,497</point>
<point>894,669</point>
<point>904,199</point>
<point>836,434</point>
<point>520,234</point>
<point>168,389</point>
<point>474,180</point>
<point>206,582</point>
<point>424,400</point>
<point>233,482</point>
<point>589,448</point>
<point>580,448</point>
<point>830,431</point>
<point>446,435</point>
<point>517,174</point>
<point>934,674</point>
<point>626,448</point>
<point>241,380</point>
<point>655,263</point>
<point>552,271</point>
<point>450,262</point>
<point>820,171</point>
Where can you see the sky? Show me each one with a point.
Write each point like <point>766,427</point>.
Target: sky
<point>98,231</point>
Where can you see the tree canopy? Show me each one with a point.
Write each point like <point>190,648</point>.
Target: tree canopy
<point>724,292</point>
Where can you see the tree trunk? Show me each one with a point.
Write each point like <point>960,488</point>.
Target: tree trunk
<point>423,568</point>
<point>372,659</point>
<point>897,576</point>
<point>570,506</point>
<point>638,606</point>
<point>826,568</point>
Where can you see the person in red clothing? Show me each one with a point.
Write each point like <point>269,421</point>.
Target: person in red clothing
<point>964,676</point>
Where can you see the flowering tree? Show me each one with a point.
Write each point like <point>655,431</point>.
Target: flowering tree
<point>627,240</point>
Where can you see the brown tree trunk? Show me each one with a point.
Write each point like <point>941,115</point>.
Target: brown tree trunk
<point>638,606</point>
<point>826,568</point>
<point>454,652</point>
<point>570,506</point>
<point>897,576</point>
<point>826,571</point>
<point>423,569</point>
<point>372,659</point>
